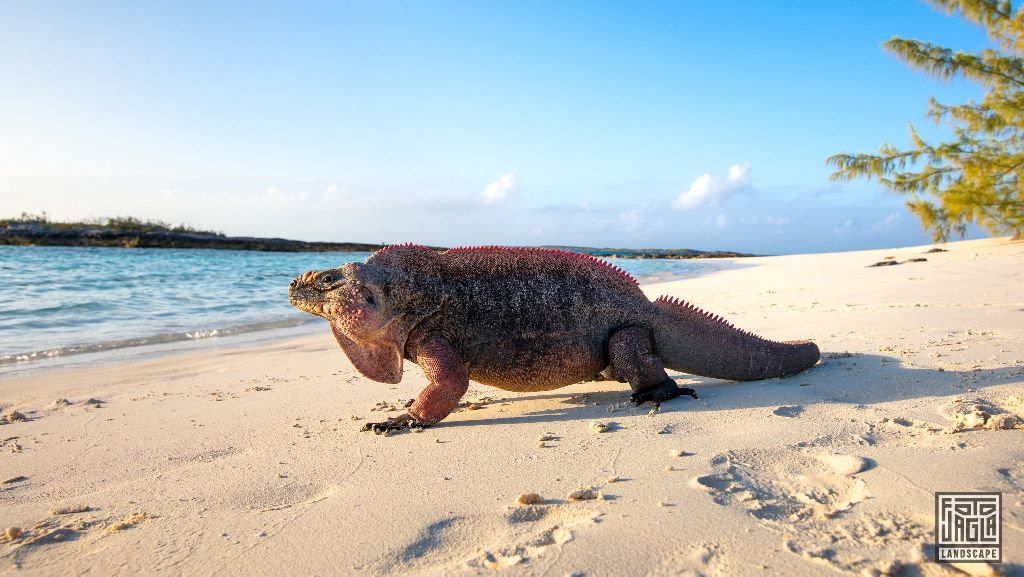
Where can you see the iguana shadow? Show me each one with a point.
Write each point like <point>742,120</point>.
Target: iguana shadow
<point>857,379</point>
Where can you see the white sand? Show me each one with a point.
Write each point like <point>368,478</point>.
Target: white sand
<point>248,461</point>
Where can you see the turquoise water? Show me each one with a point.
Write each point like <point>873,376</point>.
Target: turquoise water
<point>59,301</point>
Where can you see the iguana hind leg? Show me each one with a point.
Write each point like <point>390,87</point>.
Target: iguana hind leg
<point>633,361</point>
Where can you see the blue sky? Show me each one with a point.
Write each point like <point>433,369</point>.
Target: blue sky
<point>677,124</point>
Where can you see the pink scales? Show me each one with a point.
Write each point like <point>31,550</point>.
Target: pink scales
<point>493,259</point>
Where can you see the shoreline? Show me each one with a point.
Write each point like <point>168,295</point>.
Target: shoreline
<point>248,459</point>
<point>96,352</point>
<point>113,356</point>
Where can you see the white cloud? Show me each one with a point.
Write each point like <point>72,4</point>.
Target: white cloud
<point>764,221</point>
<point>845,227</point>
<point>275,195</point>
<point>886,223</point>
<point>330,193</point>
<point>709,189</point>
<point>498,190</point>
<point>634,219</point>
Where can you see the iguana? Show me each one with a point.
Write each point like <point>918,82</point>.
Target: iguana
<point>524,319</point>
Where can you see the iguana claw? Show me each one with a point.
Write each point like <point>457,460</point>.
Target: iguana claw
<point>661,392</point>
<point>394,424</point>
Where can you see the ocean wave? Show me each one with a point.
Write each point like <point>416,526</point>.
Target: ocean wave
<point>161,338</point>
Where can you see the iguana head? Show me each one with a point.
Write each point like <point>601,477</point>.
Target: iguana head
<point>350,297</point>
<point>363,304</point>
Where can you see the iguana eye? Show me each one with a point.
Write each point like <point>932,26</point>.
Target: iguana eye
<point>369,299</point>
<point>326,279</point>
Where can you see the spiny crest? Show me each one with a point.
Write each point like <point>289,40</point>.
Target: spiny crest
<point>680,306</point>
<point>545,255</point>
<point>406,256</point>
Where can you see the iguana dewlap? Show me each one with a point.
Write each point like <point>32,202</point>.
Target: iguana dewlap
<point>524,319</point>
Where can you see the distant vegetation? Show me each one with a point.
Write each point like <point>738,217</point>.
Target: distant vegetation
<point>118,223</point>
<point>977,177</point>
<point>131,232</point>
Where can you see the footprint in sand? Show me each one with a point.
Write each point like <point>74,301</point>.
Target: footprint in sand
<point>700,558</point>
<point>784,485</point>
<point>812,499</point>
<point>978,413</point>
<point>519,535</point>
<point>65,525</point>
<point>845,464</point>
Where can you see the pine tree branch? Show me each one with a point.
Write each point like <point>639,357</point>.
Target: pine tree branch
<point>944,63</point>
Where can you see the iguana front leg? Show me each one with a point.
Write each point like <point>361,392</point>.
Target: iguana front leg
<point>449,380</point>
<point>633,360</point>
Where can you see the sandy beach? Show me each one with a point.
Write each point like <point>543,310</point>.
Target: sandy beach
<point>242,461</point>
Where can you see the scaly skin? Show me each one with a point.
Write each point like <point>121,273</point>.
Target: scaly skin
<point>524,319</point>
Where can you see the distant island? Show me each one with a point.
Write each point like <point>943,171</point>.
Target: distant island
<point>677,253</point>
<point>130,232</point>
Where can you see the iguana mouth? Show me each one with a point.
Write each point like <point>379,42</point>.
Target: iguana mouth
<point>305,296</point>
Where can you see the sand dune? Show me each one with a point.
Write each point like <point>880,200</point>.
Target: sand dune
<point>250,461</point>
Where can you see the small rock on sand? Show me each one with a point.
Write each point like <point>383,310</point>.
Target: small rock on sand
<point>975,419</point>
<point>128,522</point>
<point>12,533</point>
<point>1004,421</point>
<point>12,417</point>
<point>614,479</point>
<point>599,427</point>
<point>529,499</point>
<point>70,510</point>
<point>583,494</point>
<point>845,464</point>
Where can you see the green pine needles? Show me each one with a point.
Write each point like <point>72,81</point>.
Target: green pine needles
<point>977,177</point>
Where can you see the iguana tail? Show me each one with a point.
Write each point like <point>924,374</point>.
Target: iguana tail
<point>690,340</point>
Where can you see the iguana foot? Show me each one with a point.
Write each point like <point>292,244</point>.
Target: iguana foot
<point>394,424</point>
<point>661,392</point>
